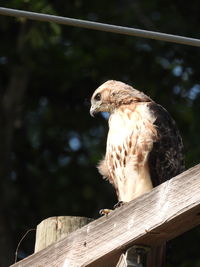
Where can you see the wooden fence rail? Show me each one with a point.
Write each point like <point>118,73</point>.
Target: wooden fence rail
<point>158,216</point>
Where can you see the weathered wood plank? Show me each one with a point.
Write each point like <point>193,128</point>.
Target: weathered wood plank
<point>160,215</point>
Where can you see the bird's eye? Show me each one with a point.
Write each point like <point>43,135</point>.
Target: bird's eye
<point>97,97</point>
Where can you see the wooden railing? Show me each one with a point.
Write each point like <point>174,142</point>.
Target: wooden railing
<point>156,217</point>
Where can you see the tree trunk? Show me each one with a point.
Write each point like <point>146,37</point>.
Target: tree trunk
<point>9,113</point>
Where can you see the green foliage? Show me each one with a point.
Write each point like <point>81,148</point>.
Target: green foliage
<point>56,144</point>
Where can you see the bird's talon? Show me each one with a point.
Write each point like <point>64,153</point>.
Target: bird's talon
<point>104,212</point>
<point>119,204</point>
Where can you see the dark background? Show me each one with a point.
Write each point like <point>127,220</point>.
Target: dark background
<point>49,144</point>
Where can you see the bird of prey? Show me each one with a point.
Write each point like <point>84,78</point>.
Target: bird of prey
<point>144,147</point>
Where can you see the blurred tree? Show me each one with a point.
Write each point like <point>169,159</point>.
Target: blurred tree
<point>49,143</point>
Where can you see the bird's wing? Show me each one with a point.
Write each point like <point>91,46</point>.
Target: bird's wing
<point>166,158</point>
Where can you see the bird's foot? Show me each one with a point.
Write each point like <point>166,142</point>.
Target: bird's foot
<point>105,212</point>
<point>119,204</point>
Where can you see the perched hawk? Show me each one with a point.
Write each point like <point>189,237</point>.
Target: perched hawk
<point>144,147</point>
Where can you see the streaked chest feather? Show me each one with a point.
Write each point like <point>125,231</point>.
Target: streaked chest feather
<point>130,139</point>
<point>129,129</point>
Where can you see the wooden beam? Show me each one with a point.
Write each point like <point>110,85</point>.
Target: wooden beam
<point>160,215</point>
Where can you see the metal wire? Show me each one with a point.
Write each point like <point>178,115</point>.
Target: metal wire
<point>101,26</point>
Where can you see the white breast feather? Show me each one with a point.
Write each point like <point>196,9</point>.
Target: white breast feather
<point>130,180</point>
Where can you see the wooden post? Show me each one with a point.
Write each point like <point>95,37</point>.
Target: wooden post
<point>135,256</point>
<point>156,257</point>
<point>53,229</point>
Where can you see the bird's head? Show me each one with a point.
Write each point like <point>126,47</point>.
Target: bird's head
<point>113,94</point>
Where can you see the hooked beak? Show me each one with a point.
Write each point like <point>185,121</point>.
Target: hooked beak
<point>92,111</point>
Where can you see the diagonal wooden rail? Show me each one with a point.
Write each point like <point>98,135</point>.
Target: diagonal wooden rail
<point>160,215</point>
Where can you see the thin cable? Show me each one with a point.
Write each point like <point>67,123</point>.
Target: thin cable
<point>16,252</point>
<point>100,26</point>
